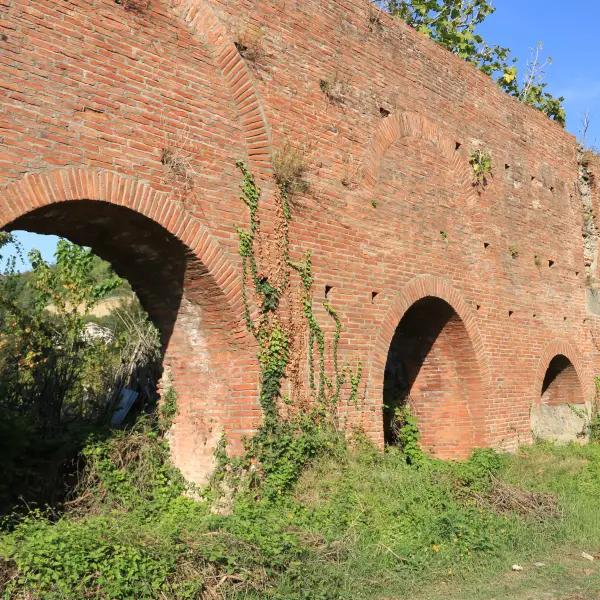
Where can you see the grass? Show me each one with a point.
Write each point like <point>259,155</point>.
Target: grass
<point>357,524</point>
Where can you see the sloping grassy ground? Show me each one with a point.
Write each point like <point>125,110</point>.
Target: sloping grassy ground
<point>356,524</point>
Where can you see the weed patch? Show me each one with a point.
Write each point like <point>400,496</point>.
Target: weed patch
<point>319,518</point>
<point>290,168</point>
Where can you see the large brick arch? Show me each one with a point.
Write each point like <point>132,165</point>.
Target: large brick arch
<point>202,20</point>
<point>418,289</point>
<point>60,185</point>
<point>566,348</point>
<point>185,280</point>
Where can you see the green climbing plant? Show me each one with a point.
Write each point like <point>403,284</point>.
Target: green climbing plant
<point>267,325</point>
<point>272,340</point>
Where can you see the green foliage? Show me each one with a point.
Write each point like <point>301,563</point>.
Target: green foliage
<point>594,424</point>
<point>476,473</point>
<point>319,519</point>
<point>45,359</point>
<point>407,435</point>
<point>167,409</point>
<point>273,340</point>
<point>481,163</point>
<point>454,24</point>
<point>273,358</point>
<point>283,451</point>
<point>57,382</point>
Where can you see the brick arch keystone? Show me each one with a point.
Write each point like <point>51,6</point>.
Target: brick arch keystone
<point>72,184</point>
<point>417,289</point>
<point>566,348</point>
<point>413,125</point>
<point>200,17</point>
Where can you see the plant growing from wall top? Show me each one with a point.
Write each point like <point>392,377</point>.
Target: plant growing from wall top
<point>250,44</point>
<point>136,6</point>
<point>289,169</point>
<point>334,88</point>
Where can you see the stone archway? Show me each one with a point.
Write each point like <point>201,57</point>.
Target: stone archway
<point>183,279</point>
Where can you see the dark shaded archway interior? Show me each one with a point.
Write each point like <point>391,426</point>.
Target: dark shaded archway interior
<point>152,260</point>
<point>410,346</point>
<point>561,383</point>
<point>431,365</point>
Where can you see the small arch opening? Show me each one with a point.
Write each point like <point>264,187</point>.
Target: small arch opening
<point>432,369</point>
<point>561,414</point>
<point>561,383</point>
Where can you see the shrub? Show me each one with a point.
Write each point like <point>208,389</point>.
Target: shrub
<point>406,434</point>
<point>290,168</point>
<point>481,163</point>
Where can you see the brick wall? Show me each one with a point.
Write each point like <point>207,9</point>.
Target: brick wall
<point>142,116</point>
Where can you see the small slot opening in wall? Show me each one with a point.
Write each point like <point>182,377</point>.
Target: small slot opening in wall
<point>564,318</point>
<point>535,315</point>
<point>478,306</point>
<point>576,273</point>
<point>373,296</point>
<point>457,145</point>
<point>486,245</point>
<point>552,188</point>
<point>328,289</point>
<point>506,167</point>
<point>384,112</point>
<point>550,263</point>
<point>511,313</point>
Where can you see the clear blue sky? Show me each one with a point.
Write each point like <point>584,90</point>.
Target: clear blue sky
<point>569,31</point>
<point>46,244</point>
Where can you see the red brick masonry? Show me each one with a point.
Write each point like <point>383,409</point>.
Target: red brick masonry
<point>91,94</point>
